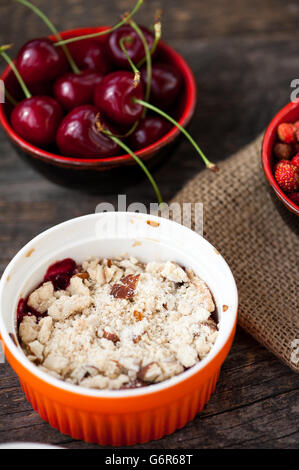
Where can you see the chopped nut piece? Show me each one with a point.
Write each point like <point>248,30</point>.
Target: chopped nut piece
<point>136,339</point>
<point>111,336</point>
<point>126,289</point>
<point>82,275</point>
<point>138,315</point>
<point>149,372</point>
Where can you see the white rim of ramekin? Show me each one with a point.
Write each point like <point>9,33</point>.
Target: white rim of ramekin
<point>115,394</point>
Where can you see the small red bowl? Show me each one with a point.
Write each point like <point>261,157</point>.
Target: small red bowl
<point>185,109</point>
<point>290,113</point>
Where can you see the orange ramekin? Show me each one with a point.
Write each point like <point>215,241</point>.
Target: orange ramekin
<point>124,417</point>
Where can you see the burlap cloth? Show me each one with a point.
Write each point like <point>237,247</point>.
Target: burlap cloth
<point>242,221</point>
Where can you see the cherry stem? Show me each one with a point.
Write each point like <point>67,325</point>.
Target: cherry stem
<point>52,28</point>
<point>130,152</point>
<point>141,164</point>
<point>209,165</point>
<point>121,136</point>
<point>128,40</point>
<point>148,64</point>
<point>15,70</point>
<point>158,34</point>
<point>125,19</point>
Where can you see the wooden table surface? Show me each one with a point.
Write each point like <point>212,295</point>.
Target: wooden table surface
<point>244,56</point>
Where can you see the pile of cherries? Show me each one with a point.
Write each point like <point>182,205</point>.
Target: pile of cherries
<point>94,97</point>
<point>61,104</point>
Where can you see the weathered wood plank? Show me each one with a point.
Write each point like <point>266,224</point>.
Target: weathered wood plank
<point>188,19</point>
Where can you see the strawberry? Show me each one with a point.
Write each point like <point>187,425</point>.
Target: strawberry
<point>281,162</point>
<point>283,151</point>
<point>295,160</point>
<point>287,132</point>
<point>294,197</point>
<point>287,176</point>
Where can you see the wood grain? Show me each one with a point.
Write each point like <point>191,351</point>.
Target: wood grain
<point>244,56</point>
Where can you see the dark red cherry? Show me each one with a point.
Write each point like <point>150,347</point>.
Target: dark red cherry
<point>73,90</point>
<point>89,54</point>
<point>165,85</point>
<point>60,273</point>
<point>114,97</point>
<point>39,61</point>
<point>135,48</point>
<point>77,135</point>
<point>36,119</point>
<point>149,130</point>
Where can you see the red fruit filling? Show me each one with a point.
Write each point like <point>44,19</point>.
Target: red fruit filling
<point>24,310</point>
<point>60,273</point>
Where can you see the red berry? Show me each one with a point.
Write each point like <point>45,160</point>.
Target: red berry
<point>39,61</point>
<point>283,151</point>
<point>295,160</point>
<point>89,54</point>
<point>77,135</point>
<point>287,176</point>
<point>296,124</point>
<point>114,97</point>
<point>286,133</point>
<point>281,162</point>
<point>36,119</point>
<point>72,90</point>
<point>294,197</point>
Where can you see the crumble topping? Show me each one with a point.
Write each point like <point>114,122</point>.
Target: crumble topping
<point>119,324</point>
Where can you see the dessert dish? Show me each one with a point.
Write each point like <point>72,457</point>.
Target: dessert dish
<point>286,168</point>
<point>126,415</point>
<point>117,323</point>
<point>87,96</point>
<point>277,152</point>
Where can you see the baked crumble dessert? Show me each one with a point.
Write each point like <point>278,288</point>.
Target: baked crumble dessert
<point>115,324</point>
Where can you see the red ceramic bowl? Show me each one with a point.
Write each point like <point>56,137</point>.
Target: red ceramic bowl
<point>289,113</point>
<point>185,108</point>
